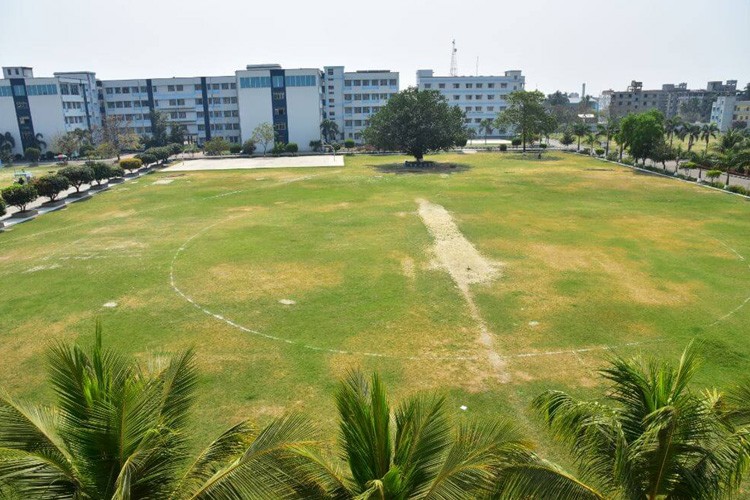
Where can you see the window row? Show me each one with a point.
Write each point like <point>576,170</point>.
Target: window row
<point>71,120</point>
<point>220,126</point>
<point>49,89</point>
<point>219,114</point>
<point>216,100</point>
<point>364,109</point>
<point>374,83</point>
<point>299,81</point>
<point>72,105</point>
<point>125,90</point>
<point>356,123</point>
<point>366,97</point>
<point>127,104</point>
<point>468,86</point>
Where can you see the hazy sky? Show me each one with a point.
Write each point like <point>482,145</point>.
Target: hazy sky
<point>557,44</point>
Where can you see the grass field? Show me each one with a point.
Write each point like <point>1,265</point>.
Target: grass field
<point>589,255</point>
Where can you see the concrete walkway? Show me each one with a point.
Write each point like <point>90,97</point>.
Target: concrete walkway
<point>311,161</point>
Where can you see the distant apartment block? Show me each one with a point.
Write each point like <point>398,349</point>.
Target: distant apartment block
<point>49,106</point>
<point>479,97</point>
<point>669,99</point>
<point>351,98</point>
<point>729,109</point>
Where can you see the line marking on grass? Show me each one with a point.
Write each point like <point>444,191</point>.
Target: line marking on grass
<point>744,302</point>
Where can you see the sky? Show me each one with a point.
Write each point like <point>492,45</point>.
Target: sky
<point>557,44</point>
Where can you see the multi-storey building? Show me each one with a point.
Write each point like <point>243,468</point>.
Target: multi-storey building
<point>351,98</point>
<point>669,99</point>
<point>36,109</point>
<point>479,97</point>
<point>290,99</point>
<point>729,109</point>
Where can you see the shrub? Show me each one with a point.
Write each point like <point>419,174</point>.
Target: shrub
<point>115,171</point>
<point>32,154</point>
<point>503,147</point>
<point>101,171</point>
<point>516,141</point>
<point>627,161</point>
<point>291,147</point>
<point>50,185</point>
<point>19,195</point>
<point>215,146</point>
<point>87,150</point>
<point>336,146</point>
<point>278,148</point>
<point>77,175</point>
<point>248,147</point>
<point>235,149</point>
<point>349,143</point>
<point>585,151</point>
<point>175,148</point>
<point>738,190</point>
<point>50,155</point>
<point>713,174</point>
<point>146,158</point>
<point>599,151</point>
<point>2,207</point>
<point>543,145</point>
<point>717,185</point>
<point>316,145</point>
<point>689,164</point>
<point>161,153</point>
<point>131,164</point>
<point>613,156</point>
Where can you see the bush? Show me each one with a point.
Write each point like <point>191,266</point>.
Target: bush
<point>87,150</point>
<point>516,141</point>
<point>50,155</point>
<point>627,161</point>
<point>101,171</point>
<point>147,158</point>
<point>336,146</point>
<point>116,171</point>
<point>248,147</point>
<point>215,146</point>
<point>160,153</point>
<point>689,164</point>
<point>738,190</point>
<point>175,148</point>
<point>278,148</point>
<point>349,143</point>
<point>585,151</point>
<point>543,145</point>
<point>235,149</point>
<point>19,195</point>
<point>50,185</point>
<point>503,147</point>
<point>613,156</point>
<point>713,174</point>
<point>131,164</point>
<point>291,148</point>
<point>77,175</point>
<point>2,207</point>
<point>316,145</point>
<point>599,151</point>
<point>32,154</point>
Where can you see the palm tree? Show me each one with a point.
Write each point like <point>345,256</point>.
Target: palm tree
<point>487,125</point>
<point>730,139</point>
<point>415,451</point>
<point>7,141</point>
<point>591,139</point>
<point>708,130</point>
<point>329,129</point>
<point>692,132</point>
<point>671,126</point>
<point>609,130</point>
<point>38,142</point>
<point>120,431</point>
<point>580,130</point>
<point>650,437</point>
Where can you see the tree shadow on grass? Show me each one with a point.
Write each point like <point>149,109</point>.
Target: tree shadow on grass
<point>427,167</point>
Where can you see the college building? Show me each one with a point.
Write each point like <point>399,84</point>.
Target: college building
<point>727,110</point>
<point>479,97</point>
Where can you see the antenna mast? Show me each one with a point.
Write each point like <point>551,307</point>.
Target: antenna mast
<point>454,60</point>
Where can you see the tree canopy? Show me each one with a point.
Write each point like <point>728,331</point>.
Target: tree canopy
<point>417,122</point>
<point>527,113</point>
<point>642,132</point>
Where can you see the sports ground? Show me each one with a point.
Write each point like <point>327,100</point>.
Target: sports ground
<point>489,279</point>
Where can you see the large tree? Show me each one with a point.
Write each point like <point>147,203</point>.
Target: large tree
<point>116,134</point>
<point>651,436</point>
<point>264,135</point>
<point>417,122</point>
<point>121,430</point>
<point>527,114</point>
<point>642,132</point>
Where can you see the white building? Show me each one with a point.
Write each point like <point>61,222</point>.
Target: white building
<point>351,98</point>
<point>41,109</point>
<point>290,99</point>
<point>479,97</point>
<point>729,109</point>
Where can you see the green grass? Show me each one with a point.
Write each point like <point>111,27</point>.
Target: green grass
<point>596,254</point>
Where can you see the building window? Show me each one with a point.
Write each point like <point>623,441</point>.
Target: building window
<point>428,85</point>
<point>198,87</point>
<point>215,86</point>
<point>392,82</point>
<point>225,86</point>
<point>441,85</point>
<point>108,90</point>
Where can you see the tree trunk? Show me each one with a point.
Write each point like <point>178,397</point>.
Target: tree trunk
<point>523,142</point>
<point>579,144</point>
<point>606,153</point>
<point>727,176</point>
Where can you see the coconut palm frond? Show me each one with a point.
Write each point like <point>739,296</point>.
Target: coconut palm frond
<point>178,382</point>
<point>542,480</point>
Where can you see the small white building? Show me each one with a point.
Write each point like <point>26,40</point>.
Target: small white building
<point>729,109</point>
<point>289,99</point>
<point>351,98</point>
<point>479,97</point>
<point>36,109</point>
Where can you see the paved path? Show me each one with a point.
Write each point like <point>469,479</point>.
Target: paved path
<point>311,161</point>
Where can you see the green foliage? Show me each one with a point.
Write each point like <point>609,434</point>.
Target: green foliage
<point>527,114</point>
<point>641,133</point>
<point>87,150</point>
<point>278,148</point>
<point>567,138</point>
<point>159,127</point>
<point>738,189</point>
<point>416,122</point>
<point>516,141</point>
<point>19,195</point>
<point>67,143</point>
<point>3,210</point>
<point>216,146</point>
<point>50,185</point>
<point>329,129</point>
<point>316,145</point>
<point>116,171</point>
<point>77,175</point>
<point>503,147</point>
<point>235,149</point>
<point>713,174</point>
<point>175,148</point>
<point>147,158</point>
<point>263,135</point>
<point>120,430</point>
<point>599,151</point>
<point>101,171</point>
<point>32,154</point>
<point>349,143</point>
<point>160,153</point>
<point>248,147</point>
<point>106,150</point>
<point>177,134</point>
<point>291,147</point>
<point>651,435</point>
<point>131,164</point>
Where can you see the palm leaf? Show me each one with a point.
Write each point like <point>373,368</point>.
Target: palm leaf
<point>542,480</point>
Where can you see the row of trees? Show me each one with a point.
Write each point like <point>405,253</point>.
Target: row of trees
<point>121,430</point>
